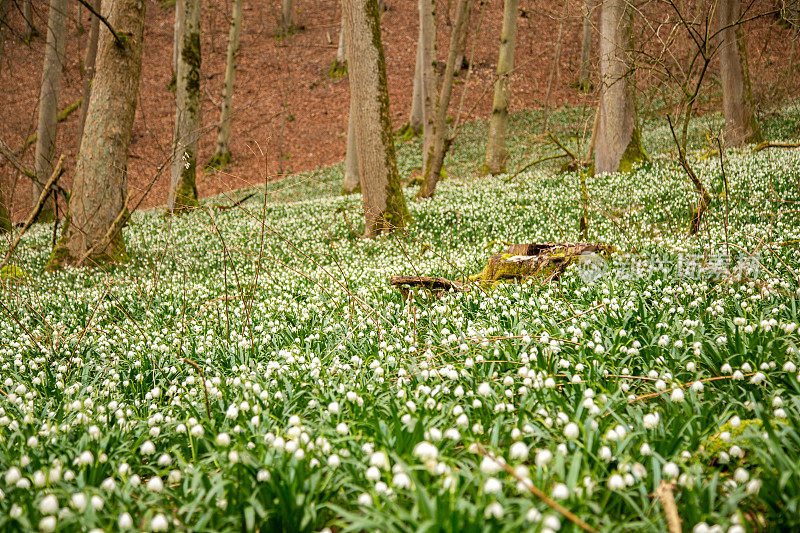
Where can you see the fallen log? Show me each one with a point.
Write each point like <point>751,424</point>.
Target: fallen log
<point>541,262</point>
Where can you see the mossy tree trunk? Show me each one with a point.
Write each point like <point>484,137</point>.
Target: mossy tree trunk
<point>98,200</point>
<point>48,103</point>
<point>618,143</point>
<point>89,66</point>
<point>384,205</point>
<point>222,152</point>
<point>352,182</point>
<point>441,140</point>
<point>461,50</point>
<point>498,123</point>
<point>741,125</point>
<point>183,193</point>
<point>585,71</point>
<point>341,48</point>
<point>429,81</point>
<point>177,32</point>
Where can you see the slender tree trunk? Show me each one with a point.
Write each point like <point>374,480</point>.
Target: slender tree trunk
<point>741,125</point>
<point>177,31</point>
<point>441,140</point>
<point>222,152</point>
<point>3,21</point>
<point>384,204</point>
<point>30,30</point>
<point>585,72</point>
<point>351,183</point>
<point>462,42</point>
<point>341,49</point>
<point>287,17</point>
<point>183,193</point>
<point>498,123</point>
<point>98,201</point>
<point>48,103</point>
<point>430,78</point>
<point>415,117</point>
<point>618,143</point>
<point>91,58</point>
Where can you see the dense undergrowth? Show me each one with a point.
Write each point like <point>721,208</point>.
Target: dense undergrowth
<point>251,369</point>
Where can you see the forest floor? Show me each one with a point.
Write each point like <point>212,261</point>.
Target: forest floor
<point>290,115</point>
<point>252,368</point>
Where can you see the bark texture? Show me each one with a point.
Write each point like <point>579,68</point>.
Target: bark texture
<point>617,143</point>
<point>98,201</point>
<point>585,71</point>
<point>30,30</point>
<point>352,182</point>
<point>48,103</point>
<point>498,122</point>
<point>287,17</point>
<point>429,81</point>
<point>440,139</point>
<point>741,125</point>
<point>415,117</point>
<point>3,21</point>
<point>384,204</point>
<point>222,152</point>
<point>341,48</point>
<point>89,65</point>
<point>183,192</point>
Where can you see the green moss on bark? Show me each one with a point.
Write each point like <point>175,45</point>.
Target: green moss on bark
<point>634,153</point>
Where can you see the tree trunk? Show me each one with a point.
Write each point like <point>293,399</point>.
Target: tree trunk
<point>30,30</point>
<point>618,144</point>
<point>3,21</point>
<point>741,125</point>
<point>462,42</point>
<point>91,58</point>
<point>98,200</point>
<point>183,193</point>
<point>351,183</point>
<point>222,152</point>
<point>177,31</point>
<point>585,72</point>
<point>429,82</point>
<point>287,17</point>
<point>441,141</point>
<point>48,103</point>
<point>415,117</point>
<point>384,204</point>
<point>498,123</point>
<point>341,49</point>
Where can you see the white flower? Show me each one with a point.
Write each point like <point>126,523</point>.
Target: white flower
<point>155,484</point>
<point>484,389</point>
<point>425,451</point>
<point>543,457</point>
<point>677,395</point>
<point>47,524</point>
<point>490,466</point>
<point>263,475</point>
<point>379,459</point>
<point>342,429</point>
<point>492,485</point>
<point>741,475</point>
<point>615,482</point>
<point>49,504</point>
<point>364,499</point>
<point>159,523</point>
<point>125,521</point>
<point>493,510</point>
<point>571,430</point>
<point>148,448</point>
<point>333,408</point>
<point>671,470</point>
<point>333,460</point>
<point>197,431</point>
<point>605,453</point>
<point>164,460</point>
<point>373,474</point>
<point>518,451</point>
<point>753,486</point>
<point>644,449</point>
<point>78,501</point>
<point>560,491</point>
<point>108,484</point>
<point>223,439</point>
<point>401,480</point>
<point>97,502</point>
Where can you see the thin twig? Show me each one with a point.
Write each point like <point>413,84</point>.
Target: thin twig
<point>102,19</point>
